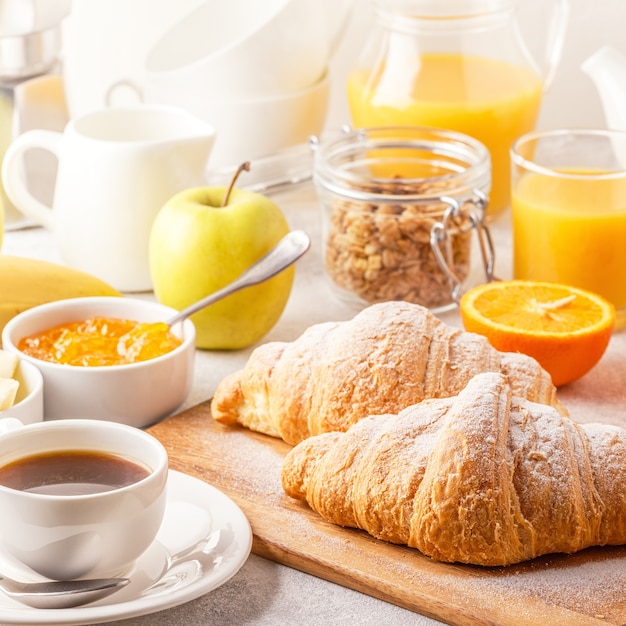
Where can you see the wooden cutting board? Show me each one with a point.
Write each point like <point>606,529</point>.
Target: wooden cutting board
<point>587,588</point>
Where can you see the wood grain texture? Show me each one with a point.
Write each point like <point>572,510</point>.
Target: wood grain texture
<point>587,588</point>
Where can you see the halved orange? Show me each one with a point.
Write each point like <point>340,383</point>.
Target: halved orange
<point>565,328</point>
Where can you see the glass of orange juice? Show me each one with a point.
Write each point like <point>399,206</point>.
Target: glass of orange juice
<point>568,210</point>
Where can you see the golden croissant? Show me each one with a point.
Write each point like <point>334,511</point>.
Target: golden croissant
<point>389,356</point>
<point>485,477</point>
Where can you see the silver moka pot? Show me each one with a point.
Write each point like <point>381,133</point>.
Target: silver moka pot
<point>30,46</point>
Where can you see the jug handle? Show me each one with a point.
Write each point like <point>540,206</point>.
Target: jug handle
<point>13,173</point>
<point>125,84</point>
<point>556,40</point>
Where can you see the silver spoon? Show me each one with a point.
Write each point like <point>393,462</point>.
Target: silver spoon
<point>61,594</point>
<point>287,251</point>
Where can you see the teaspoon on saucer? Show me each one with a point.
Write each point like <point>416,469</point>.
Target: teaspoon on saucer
<point>288,250</point>
<point>61,594</point>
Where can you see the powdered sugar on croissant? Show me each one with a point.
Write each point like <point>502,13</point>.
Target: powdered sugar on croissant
<point>389,356</point>
<point>484,478</point>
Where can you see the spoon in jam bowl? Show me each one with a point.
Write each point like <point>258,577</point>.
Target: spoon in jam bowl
<point>287,251</point>
<point>61,594</point>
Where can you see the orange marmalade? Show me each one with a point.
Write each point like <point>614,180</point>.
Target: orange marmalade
<point>101,341</point>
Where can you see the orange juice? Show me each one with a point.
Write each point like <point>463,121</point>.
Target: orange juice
<point>490,100</point>
<point>572,230</point>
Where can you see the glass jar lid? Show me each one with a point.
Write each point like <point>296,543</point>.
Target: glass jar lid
<point>416,163</point>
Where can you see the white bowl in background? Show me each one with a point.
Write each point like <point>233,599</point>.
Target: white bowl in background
<point>241,48</point>
<point>250,128</point>
<point>137,394</point>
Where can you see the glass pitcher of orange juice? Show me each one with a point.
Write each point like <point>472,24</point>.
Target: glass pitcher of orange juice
<point>460,65</point>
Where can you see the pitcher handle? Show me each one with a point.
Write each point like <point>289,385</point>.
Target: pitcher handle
<point>556,40</point>
<point>13,178</point>
<point>125,84</point>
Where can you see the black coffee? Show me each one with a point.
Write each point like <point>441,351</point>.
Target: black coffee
<point>71,473</point>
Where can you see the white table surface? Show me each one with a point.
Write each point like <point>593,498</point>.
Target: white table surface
<point>267,593</point>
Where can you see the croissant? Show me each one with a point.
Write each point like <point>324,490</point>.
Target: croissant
<point>485,477</point>
<point>389,356</point>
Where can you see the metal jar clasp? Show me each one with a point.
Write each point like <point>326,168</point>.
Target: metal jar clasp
<point>471,213</point>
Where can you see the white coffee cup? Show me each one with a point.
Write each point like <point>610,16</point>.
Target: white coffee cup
<point>116,169</point>
<point>93,535</point>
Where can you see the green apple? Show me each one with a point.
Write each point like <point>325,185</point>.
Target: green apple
<point>198,246</point>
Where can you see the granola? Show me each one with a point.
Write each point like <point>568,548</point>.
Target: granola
<point>382,252</point>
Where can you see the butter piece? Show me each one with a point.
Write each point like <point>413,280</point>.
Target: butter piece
<point>8,364</point>
<point>8,391</point>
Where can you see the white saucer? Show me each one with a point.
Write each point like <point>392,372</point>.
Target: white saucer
<point>204,540</point>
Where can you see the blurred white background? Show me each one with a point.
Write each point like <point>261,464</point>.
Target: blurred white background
<point>572,100</point>
<point>106,41</point>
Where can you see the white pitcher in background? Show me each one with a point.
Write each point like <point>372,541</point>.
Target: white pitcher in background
<point>606,68</point>
<point>117,167</point>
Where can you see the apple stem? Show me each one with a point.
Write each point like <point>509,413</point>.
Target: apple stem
<point>243,166</point>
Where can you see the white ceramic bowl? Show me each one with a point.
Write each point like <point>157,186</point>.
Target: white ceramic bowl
<point>28,407</point>
<point>253,127</point>
<point>242,48</point>
<point>137,394</point>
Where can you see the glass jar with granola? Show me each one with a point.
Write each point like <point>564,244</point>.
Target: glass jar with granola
<point>399,205</point>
